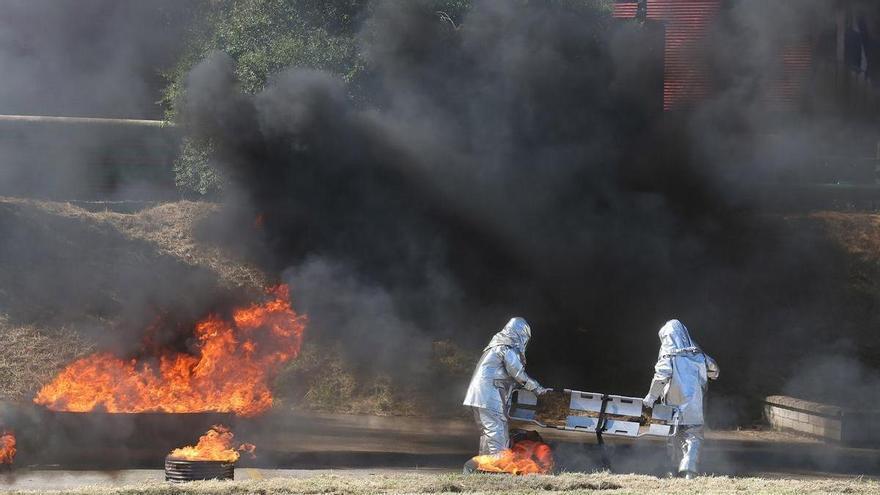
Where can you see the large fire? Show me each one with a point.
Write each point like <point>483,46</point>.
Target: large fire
<point>7,447</point>
<point>231,371</point>
<point>525,457</point>
<point>215,445</point>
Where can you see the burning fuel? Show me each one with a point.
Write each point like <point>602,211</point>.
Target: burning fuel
<point>525,457</point>
<point>7,448</point>
<point>231,372</point>
<point>215,445</point>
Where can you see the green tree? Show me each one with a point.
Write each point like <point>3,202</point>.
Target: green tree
<point>264,37</point>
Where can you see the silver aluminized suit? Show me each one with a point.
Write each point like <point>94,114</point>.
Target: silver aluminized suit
<point>499,371</point>
<point>680,379</point>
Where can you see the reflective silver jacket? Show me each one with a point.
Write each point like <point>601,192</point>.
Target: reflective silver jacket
<point>501,368</point>
<point>682,372</point>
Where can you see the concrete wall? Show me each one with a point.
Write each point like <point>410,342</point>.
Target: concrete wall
<point>855,427</point>
<point>86,159</point>
<point>805,417</point>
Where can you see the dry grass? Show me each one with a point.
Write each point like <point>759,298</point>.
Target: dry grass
<point>322,380</point>
<point>32,356</point>
<point>452,483</point>
<point>858,236</point>
<point>857,233</point>
<point>160,240</point>
<point>81,253</point>
<point>171,227</point>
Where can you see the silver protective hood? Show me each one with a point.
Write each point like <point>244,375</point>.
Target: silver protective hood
<point>501,368</point>
<point>682,372</point>
<point>675,339</point>
<point>515,334</point>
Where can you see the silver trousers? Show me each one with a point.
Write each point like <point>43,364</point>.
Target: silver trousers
<point>494,436</point>
<point>684,448</point>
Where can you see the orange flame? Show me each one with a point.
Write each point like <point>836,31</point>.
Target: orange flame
<point>525,457</point>
<point>7,447</point>
<point>231,373</point>
<point>216,445</point>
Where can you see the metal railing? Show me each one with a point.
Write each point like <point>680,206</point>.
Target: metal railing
<point>79,158</point>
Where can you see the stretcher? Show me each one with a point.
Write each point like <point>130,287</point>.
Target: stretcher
<point>595,413</point>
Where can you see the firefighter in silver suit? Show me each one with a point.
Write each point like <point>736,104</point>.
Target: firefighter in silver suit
<point>499,371</point>
<point>680,379</point>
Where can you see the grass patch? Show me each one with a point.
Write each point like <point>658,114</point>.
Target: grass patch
<point>171,228</point>
<point>32,356</point>
<point>70,275</point>
<point>70,279</point>
<point>322,380</point>
<point>604,483</point>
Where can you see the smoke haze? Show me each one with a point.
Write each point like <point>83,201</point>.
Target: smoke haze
<point>88,58</point>
<point>517,165</point>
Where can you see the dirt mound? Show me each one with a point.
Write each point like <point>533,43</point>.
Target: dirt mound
<point>170,227</point>
<point>73,281</point>
<point>69,276</point>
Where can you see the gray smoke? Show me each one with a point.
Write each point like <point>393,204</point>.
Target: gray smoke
<point>520,159</point>
<point>513,164</point>
<point>90,58</point>
<point>838,377</point>
<point>87,58</point>
<point>361,315</point>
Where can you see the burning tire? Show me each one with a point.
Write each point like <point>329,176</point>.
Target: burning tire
<point>182,470</point>
<point>213,458</point>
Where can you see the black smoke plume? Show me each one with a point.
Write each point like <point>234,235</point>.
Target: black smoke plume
<point>517,164</point>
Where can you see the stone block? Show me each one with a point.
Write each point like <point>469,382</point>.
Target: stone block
<point>803,405</point>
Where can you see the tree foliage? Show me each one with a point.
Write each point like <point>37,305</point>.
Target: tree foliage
<point>264,37</point>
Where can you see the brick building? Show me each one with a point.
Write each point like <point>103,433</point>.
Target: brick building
<point>838,60</point>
